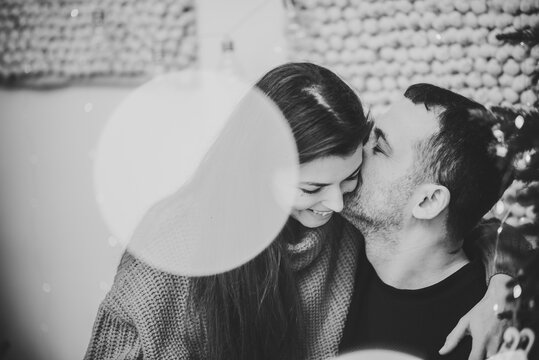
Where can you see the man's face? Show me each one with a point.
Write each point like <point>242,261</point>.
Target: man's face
<point>388,172</point>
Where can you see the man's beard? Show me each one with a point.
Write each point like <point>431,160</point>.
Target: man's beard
<point>379,208</point>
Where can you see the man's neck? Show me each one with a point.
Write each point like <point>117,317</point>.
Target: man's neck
<point>413,259</point>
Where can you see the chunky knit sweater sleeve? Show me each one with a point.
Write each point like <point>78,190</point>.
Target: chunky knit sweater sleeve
<point>146,315</point>
<point>113,337</point>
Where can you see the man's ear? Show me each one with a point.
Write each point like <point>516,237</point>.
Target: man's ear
<point>433,200</point>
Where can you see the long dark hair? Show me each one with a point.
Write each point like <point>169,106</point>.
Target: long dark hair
<point>253,312</point>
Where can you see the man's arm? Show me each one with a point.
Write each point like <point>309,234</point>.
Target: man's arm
<point>482,322</point>
<point>502,257</point>
<point>503,254</point>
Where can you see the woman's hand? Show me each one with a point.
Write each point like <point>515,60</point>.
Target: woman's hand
<point>482,322</point>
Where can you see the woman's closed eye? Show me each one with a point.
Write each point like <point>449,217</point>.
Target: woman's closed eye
<point>353,181</point>
<point>354,176</point>
<point>311,191</point>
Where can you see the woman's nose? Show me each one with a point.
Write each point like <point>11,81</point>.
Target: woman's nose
<point>334,199</point>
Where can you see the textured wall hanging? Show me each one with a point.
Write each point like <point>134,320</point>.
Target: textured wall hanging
<point>381,47</point>
<point>57,42</point>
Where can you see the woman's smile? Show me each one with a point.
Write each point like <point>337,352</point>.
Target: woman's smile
<point>323,182</point>
<point>321,213</point>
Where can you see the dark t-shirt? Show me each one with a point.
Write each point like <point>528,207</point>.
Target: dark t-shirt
<point>412,321</point>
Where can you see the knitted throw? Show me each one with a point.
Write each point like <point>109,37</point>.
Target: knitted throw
<point>145,314</point>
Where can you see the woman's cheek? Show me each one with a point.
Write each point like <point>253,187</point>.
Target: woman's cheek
<point>304,201</point>
<point>349,186</point>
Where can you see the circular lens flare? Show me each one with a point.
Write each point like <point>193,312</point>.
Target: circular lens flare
<point>376,354</point>
<point>195,172</point>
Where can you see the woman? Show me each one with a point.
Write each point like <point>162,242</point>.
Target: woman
<point>291,301</point>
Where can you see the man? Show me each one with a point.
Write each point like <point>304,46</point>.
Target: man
<point>429,176</point>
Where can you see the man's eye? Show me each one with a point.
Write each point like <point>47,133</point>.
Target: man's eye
<point>377,149</point>
<point>310,191</point>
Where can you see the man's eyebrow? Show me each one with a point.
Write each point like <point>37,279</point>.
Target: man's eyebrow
<point>323,184</point>
<point>380,134</point>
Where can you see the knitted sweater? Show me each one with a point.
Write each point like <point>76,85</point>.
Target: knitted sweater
<point>145,314</point>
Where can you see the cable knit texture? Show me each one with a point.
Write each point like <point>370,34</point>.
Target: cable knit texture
<point>146,314</point>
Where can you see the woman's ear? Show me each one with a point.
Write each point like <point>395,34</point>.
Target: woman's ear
<point>434,200</point>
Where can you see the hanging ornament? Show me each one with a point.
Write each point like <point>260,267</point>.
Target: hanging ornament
<point>528,156</point>
<point>229,64</point>
<point>501,145</point>
<point>519,121</point>
<point>519,339</point>
<point>516,344</point>
<point>517,291</point>
<point>499,208</point>
<point>522,161</point>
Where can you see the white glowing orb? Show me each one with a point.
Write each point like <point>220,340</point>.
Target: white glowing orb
<point>376,355</point>
<point>195,172</point>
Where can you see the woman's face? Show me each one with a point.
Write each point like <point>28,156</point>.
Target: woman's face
<point>322,184</point>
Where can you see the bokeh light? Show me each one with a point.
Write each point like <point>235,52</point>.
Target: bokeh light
<point>376,354</point>
<point>195,172</point>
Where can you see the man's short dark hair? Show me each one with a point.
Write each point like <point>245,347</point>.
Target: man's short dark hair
<point>459,155</point>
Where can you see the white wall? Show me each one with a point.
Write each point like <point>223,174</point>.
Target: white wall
<point>255,26</point>
<point>57,259</point>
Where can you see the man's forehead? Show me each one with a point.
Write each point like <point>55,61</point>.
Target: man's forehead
<point>406,120</point>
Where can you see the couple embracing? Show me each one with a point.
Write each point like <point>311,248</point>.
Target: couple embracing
<point>371,256</point>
